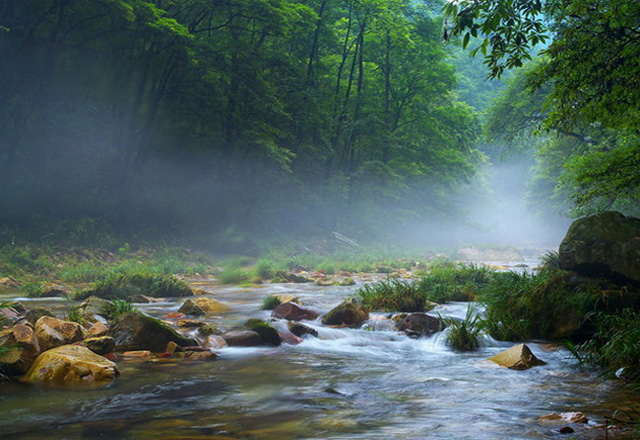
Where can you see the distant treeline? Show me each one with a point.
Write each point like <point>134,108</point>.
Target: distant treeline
<point>271,115</point>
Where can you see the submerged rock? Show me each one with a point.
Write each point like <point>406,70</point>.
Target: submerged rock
<point>518,357</point>
<point>22,349</point>
<point>419,324</point>
<point>53,332</point>
<point>134,331</point>
<point>348,313</point>
<point>293,312</point>
<point>603,245</point>
<point>71,364</point>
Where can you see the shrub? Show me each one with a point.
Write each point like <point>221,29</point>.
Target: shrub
<point>75,315</point>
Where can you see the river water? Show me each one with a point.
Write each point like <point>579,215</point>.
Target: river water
<point>346,384</point>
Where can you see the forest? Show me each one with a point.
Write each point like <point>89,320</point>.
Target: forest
<point>351,206</point>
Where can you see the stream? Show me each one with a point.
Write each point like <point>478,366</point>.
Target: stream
<point>346,384</point>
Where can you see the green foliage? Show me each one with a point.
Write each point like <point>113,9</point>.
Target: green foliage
<point>463,335</point>
<point>454,281</point>
<point>74,314</point>
<point>521,306</point>
<point>266,269</point>
<point>34,288</point>
<point>124,286</point>
<point>270,302</point>
<point>120,307</point>
<point>616,342</point>
<point>393,295</point>
<point>234,276</point>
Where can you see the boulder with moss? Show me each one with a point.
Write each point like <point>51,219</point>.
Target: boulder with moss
<point>268,334</point>
<point>100,345</point>
<point>294,312</point>
<point>71,364</point>
<point>203,306</point>
<point>419,324</point>
<point>242,338</point>
<point>127,286</point>
<point>603,245</point>
<point>94,306</point>
<point>135,331</point>
<point>348,313</point>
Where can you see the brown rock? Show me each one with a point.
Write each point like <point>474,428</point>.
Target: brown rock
<point>190,323</point>
<point>420,324</point>
<point>53,332</point>
<point>98,329</point>
<point>518,357</point>
<point>71,364</point>
<point>285,298</point>
<point>23,349</point>
<point>137,354</point>
<point>215,342</point>
<point>100,345</point>
<point>172,347</point>
<point>196,355</point>
<point>293,312</point>
<point>242,338</point>
<point>347,313</point>
<point>301,330</point>
<point>203,306</point>
<point>565,417</point>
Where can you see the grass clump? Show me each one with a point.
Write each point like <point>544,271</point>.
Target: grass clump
<point>266,269</point>
<point>124,286</point>
<point>452,281</point>
<point>463,335</point>
<point>393,295</point>
<point>616,341</point>
<point>234,275</point>
<point>74,314</point>
<point>270,302</point>
<point>549,305</point>
<point>120,307</point>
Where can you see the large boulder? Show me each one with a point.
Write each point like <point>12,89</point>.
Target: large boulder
<point>71,364</point>
<point>20,349</point>
<point>53,332</point>
<point>419,324</point>
<point>203,306</point>
<point>603,245</point>
<point>135,331</point>
<point>518,357</point>
<point>348,313</point>
<point>293,312</point>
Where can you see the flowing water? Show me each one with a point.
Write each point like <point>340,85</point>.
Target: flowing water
<point>346,384</point>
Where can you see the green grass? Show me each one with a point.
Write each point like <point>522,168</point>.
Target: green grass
<point>452,281</point>
<point>73,314</point>
<point>393,295</point>
<point>120,307</point>
<point>463,335</point>
<point>124,286</point>
<point>270,302</point>
<point>234,275</point>
<point>549,305</point>
<point>616,342</point>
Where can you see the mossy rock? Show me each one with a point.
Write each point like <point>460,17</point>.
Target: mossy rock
<point>268,334</point>
<point>71,364</point>
<point>349,313</point>
<point>603,245</point>
<point>100,345</point>
<point>38,312</point>
<point>134,331</point>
